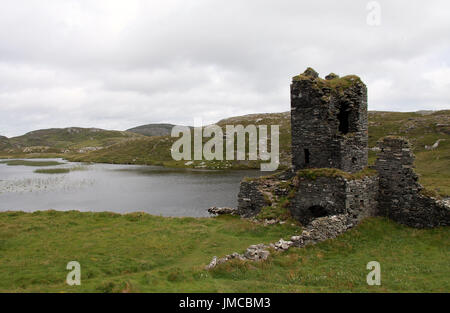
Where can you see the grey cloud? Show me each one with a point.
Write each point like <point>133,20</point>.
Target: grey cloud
<point>118,64</point>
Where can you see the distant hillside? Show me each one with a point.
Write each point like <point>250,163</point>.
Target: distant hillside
<point>152,129</point>
<point>59,140</point>
<point>4,143</point>
<point>424,128</point>
<point>283,119</point>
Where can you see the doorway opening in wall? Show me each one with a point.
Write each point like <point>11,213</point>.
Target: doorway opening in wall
<point>306,156</point>
<point>343,117</point>
<point>317,211</point>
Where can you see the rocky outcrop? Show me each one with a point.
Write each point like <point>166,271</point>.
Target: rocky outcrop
<point>434,146</point>
<point>222,211</point>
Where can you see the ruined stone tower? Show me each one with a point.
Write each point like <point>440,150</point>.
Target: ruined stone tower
<point>329,122</point>
<point>330,176</point>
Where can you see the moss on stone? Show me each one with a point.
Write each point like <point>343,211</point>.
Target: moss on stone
<point>278,211</point>
<point>430,193</point>
<point>314,173</point>
<point>334,83</point>
<point>267,199</point>
<point>250,179</point>
<point>393,137</point>
<point>331,76</point>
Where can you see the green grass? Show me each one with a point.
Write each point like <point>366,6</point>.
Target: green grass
<point>314,173</point>
<point>53,171</point>
<point>144,253</point>
<point>30,163</point>
<point>335,83</point>
<point>279,211</point>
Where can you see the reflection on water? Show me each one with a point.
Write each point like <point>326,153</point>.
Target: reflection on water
<point>119,188</point>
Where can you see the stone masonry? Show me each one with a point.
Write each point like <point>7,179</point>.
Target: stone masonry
<point>333,195</point>
<point>401,197</point>
<point>250,199</point>
<point>329,174</point>
<point>329,122</point>
<point>329,188</point>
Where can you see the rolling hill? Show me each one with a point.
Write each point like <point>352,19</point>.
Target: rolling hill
<point>152,129</point>
<point>4,143</point>
<point>64,140</point>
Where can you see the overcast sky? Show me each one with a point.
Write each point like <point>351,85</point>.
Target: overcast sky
<point>119,64</point>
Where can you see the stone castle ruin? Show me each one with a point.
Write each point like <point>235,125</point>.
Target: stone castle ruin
<point>329,187</point>
<point>330,174</point>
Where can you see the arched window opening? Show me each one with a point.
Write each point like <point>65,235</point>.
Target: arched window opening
<point>317,211</point>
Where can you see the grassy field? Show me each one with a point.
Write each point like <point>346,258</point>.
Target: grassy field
<point>139,252</point>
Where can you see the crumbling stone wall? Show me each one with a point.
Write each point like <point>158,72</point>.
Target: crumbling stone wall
<point>250,198</point>
<point>318,197</point>
<point>329,122</point>
<point>325,196</point>
<point>400,194</point>
<point>320,229</point>
<point>330,135</point>
<point>362,198</point>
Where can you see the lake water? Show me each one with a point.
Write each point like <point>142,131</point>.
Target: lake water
<point>119,188</point>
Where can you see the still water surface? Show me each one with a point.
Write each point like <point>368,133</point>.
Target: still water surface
<point>119,188</point>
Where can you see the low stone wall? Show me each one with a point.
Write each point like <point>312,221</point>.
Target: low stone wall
<point>401,196</point>
<point>318,230</point>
